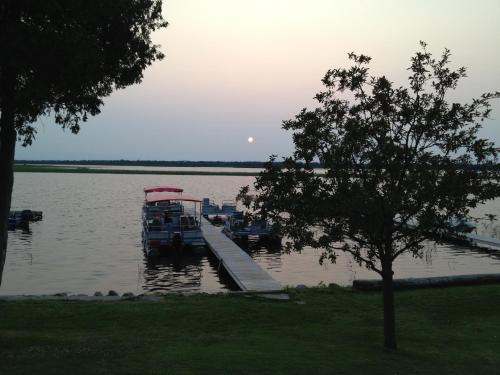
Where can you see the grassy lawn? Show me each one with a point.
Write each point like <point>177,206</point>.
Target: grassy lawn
<point>320,331</point>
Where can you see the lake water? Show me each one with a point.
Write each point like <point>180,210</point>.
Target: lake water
<point>90,239</point>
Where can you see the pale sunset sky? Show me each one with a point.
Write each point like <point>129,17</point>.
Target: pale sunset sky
<point>235,69</point>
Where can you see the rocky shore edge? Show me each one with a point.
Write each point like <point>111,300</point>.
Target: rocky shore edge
<point>111,296</point>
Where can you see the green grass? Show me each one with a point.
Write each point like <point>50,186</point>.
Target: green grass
<point>71,169</point>
<point>321,331</point>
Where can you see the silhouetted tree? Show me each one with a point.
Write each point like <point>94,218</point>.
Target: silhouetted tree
<point>394,160</point>
<point>60,58</point>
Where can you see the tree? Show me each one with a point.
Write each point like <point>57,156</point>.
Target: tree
<point>398,166</point>
<point>61,58</point>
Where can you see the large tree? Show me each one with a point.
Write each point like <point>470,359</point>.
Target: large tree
<point>60,58</point>
<point>401,163</point>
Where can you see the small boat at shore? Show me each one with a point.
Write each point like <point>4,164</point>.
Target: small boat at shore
<point>170,220</point>
<point>21,219</point>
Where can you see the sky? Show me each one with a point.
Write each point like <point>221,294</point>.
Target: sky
<point>235,69</point>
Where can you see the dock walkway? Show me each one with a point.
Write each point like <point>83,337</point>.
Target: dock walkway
<point>247,274</point>
<point>482,241</point>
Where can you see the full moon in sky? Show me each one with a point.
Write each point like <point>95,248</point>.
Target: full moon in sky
<point>250,139</point>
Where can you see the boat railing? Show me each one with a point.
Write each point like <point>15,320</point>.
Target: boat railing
<point>228,207</point>
<point>189,222</point>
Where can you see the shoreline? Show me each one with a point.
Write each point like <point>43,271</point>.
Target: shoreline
<point>23,168</point>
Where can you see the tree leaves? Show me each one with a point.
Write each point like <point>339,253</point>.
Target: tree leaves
<point>401,163</point>
<point>68,55</point>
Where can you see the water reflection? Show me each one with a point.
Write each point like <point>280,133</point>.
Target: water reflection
<point>269,254</point>
<point>476,252</point>
<point>180,271</point>
<point>89,240</point>
<point>175,272</point>
<point>24,232</point>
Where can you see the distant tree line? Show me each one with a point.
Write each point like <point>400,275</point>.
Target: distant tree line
<point>202,163</point>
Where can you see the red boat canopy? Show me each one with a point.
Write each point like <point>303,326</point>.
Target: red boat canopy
<point>170,189</point>
<point>164,197</point>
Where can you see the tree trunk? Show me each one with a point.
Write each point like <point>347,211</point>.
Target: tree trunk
<point>389,312</point>
<point>7,148</point>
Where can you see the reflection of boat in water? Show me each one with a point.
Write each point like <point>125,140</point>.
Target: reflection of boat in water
<point>238,228</point>
<point>170,220</point>
<point>260,246</point>
<point>21,219</point>
<point>181,271</point>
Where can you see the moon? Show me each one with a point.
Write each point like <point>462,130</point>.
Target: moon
<point>250,139</point>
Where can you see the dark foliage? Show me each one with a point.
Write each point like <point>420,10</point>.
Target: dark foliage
<point>395,160</point>
<point>67,55</point>
<point>60,58</point>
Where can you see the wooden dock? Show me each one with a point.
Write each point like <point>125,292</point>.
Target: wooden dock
<point>247,274</point>
<point>483,241</point>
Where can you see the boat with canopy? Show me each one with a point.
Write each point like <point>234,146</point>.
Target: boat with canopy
<point>170,220</point>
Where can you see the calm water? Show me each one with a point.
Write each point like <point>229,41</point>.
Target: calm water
<point>90,239</point>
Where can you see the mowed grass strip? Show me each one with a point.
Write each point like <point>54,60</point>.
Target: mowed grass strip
<point>320,331</point>
<point>71,169</point>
